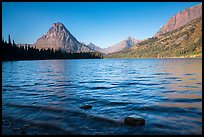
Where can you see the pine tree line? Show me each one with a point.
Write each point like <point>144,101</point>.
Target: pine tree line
<point>13,52</point>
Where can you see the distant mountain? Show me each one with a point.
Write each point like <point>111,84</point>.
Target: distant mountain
<point>180,19</point>
<point>58,37</point>
<point>94,47</point>
<point>125,44</point>
<point>185,41</point>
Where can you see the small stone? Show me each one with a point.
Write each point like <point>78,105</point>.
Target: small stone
<point>134,120</point>
<point>26,126</point>
<point>23,132</point>
<point>86,107</point>
<point>6,123</point>
<point>14,129</point>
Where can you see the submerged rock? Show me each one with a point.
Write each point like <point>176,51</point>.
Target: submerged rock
<point>14,129</point>
<point>26,126</point>
<point>86,106</point>
<point>134,120</point>
<point>23,132</point>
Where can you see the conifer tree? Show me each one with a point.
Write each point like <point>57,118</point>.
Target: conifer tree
<point>9,40</point>
<point>14,44</point>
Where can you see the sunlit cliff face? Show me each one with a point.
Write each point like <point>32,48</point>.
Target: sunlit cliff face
<point>180,19</point>
<point>58,37</point>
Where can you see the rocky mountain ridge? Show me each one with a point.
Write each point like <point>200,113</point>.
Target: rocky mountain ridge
<point>180,19</point>
<point>186,41</point>
<point>122,45</point>
<point>58,37</point>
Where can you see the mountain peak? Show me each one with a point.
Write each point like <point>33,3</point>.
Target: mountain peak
<point>125,44</point>
<point>59,27</point>
<point>181,18</point>
<point>129,38</point>
<point>58,37</point>
<point>132,40</point>
<point>57,24</point>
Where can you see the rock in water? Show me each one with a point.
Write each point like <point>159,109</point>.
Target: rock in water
<point>23,132</point>
<point>86,106</point>
<point>134,120</point>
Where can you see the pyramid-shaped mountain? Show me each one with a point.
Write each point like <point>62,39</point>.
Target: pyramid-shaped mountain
<point>58,37</point>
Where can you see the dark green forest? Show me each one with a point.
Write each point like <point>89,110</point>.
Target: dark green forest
<point>10,51</point>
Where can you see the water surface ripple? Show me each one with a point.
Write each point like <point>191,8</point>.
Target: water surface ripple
<point>47,94</point>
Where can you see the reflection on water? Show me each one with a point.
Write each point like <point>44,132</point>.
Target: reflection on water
<point>183,105</point>
<point>186,73</point>
<point>47,95</point>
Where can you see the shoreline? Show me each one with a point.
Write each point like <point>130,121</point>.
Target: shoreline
<point>159,58</point>
<point>111,58</point>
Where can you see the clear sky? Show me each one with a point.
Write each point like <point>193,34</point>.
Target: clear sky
<point>102,23</point>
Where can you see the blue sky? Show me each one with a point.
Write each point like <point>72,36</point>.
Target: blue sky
<point>102,23</point>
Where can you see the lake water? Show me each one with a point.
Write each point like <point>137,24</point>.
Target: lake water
<point>44,96</point>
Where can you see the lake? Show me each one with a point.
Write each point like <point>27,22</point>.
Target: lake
<point>44,96</point>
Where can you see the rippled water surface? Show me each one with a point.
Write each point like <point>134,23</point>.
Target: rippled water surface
<point>46,96</point>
